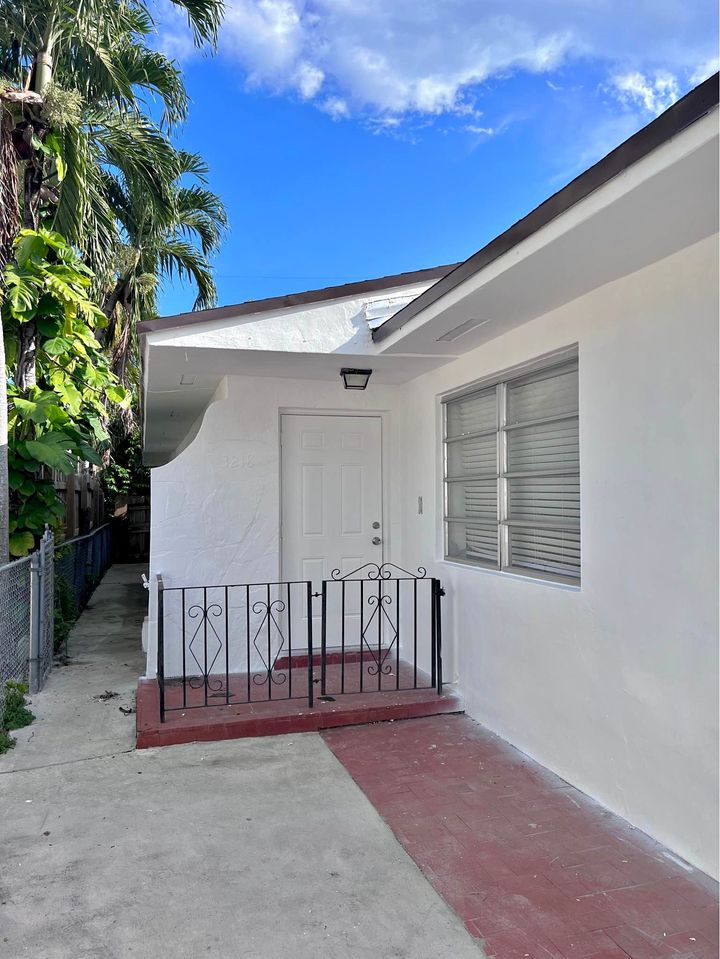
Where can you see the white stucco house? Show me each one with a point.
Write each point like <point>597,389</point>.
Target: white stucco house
<point>539,431</point>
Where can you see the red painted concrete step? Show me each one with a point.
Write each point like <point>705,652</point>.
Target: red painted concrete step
<point>216,722</point>
<point>535,868</point>
<point>333,657</point>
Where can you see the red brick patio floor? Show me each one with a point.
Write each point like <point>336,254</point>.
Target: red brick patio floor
<point>533,866</point>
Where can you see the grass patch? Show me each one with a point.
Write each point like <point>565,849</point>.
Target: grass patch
<point>15,713</point>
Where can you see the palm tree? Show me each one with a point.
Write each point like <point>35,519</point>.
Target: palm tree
<point>8,201</point>
<point>93,52</point>
<point>96,50</point>
<point>176,240</point>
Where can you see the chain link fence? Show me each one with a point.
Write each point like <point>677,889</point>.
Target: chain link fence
<point>79,566</point>
<point>41,596</point>
<point>14,622</point>
<point>46,625</point>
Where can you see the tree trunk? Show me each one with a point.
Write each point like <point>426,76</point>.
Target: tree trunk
<point>9,220</point>
<point>106,336</point>
<point>9,210</point>
<point>26,376</point>
<point>34,170</point>
<point>4,484</point>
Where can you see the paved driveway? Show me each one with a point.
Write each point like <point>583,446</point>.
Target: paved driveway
<point>260,849</point>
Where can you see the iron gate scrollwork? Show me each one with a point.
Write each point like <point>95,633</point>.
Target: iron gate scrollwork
<point>381,632</point>
<point>384,622</point>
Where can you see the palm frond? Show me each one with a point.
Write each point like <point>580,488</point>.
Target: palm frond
<point>151,71</point>
<point>177,257</point>
<point>192,164</point>
<point>133,144</point>
<point>201,212</point>
<point>204,18</point>
<point>84,215</point>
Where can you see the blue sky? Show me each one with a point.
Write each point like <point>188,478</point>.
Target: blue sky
<point>357,138</point>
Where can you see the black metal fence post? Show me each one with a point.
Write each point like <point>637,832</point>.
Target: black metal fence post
<point>161,645</point>
<point>434,603</point>
<point>438,639</point>
<point>311,696</point>
<point>323,641</point>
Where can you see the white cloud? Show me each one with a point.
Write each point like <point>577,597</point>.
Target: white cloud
<point>653,94</point>
<point>335,107</point>
<point>309,80</point>
<point>705,70</point>
<point>378,58</point>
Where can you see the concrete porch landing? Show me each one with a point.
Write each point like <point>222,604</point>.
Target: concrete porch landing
<point>240,719</point>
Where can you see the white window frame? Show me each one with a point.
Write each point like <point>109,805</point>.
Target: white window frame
<point>551,363</point>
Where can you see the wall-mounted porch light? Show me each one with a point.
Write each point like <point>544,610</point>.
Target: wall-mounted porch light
<point>355,379</point>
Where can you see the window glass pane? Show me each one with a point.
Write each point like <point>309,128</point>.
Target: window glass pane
<point>476,455</point>
<point>469,542</point>
<point>474,498</point>
<point>545,498</point>
<point>471,414</point>
<point>549,447</point>
<point>550,551</point>
<point>542,395</point>
<point>541,494</point>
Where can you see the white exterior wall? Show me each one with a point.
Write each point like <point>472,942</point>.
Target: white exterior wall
<point>215,508</point>
<point>612,685</point>
<point>329,326</point>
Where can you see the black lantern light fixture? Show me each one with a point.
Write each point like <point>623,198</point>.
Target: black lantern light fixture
<point>355,379</point>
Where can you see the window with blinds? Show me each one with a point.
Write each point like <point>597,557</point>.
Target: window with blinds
<point>512,474</point>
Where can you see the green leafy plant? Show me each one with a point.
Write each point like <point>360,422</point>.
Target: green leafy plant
<point>125,473</point>
<point>15,713</point>
<point>66,612</point>
<point>60,420</point>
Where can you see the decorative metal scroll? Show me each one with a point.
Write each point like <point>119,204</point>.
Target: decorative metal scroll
<point>268,610</point>
<point>388,626</point>
<point>379,612</point>
<point>383,618</point>
<point>374,571</point>
<point>210,635</point>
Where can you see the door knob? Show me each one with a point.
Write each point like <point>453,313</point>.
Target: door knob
<point>376,541</point>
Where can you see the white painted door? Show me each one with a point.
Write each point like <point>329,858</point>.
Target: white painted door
<point>331,495</point>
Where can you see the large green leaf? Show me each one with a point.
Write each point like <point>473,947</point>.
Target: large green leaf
<point>119,395</point>
<point>52,449</point>
<point>21,543</point>
<point>48,325</point>
<point>30,246</point>
<point>101,434</point>
<point>71,397</point>
<point>91,455</point>
<point>57,346</point>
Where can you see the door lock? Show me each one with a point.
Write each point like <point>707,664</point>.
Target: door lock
<point>376,525</point>
<point>376,541</point>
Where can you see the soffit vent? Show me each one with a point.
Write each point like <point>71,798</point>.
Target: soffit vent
<point>457,331</point>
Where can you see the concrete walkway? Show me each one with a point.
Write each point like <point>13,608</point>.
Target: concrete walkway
<point>105,655</point>
<point>254,849</point>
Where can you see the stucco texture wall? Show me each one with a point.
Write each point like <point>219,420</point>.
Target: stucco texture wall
<point>216,506</point>
<point>612,685</point>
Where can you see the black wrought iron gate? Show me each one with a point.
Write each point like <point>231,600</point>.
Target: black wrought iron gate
<point>380,632</point>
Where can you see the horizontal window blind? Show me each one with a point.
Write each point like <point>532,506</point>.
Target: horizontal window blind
<point>512,474</point>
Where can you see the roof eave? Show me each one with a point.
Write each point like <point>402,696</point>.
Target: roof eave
<point>307,298</point>
<point>692,107</point>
